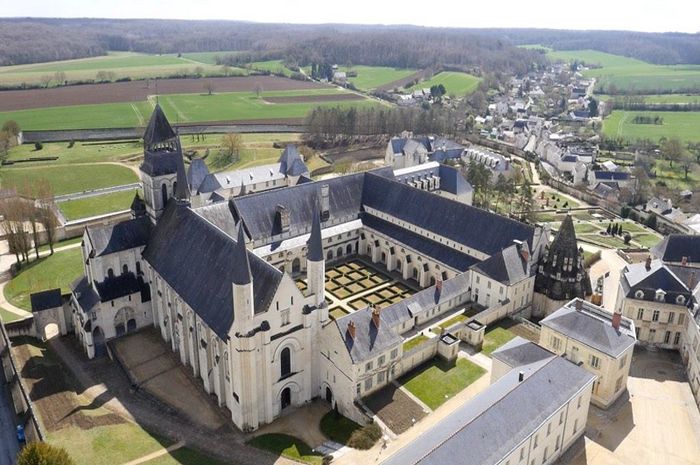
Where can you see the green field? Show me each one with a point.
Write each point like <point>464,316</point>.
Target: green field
<point>457,84</point>
<point>494,338</point>
<point>97,205</point>
<point>68,179</point>
<point>273,66</point>
<point>58,270</point>
<point>684,125</point>
<point>370,77</point>
<point>180,108</point>
<point>81,152</point>
<point>436,381</point>
<point>122,64</point>
<point>207,58</point>
<point>658,98</point>
<point>631,74</point>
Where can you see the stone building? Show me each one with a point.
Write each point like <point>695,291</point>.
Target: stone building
<point>561,273</point>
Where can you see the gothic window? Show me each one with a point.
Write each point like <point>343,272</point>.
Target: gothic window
<point>125,269</point>
<point>285,362</point>
<point>110,273</point>
<point>164,193</point>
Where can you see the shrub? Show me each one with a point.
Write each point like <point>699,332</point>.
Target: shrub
<point>625,211</point>
<point>38,145</point>
<point>71,144</point>
<point>633,216</point>
<point>41,453</point>
<point>366,437</point>
<point>627,238</point>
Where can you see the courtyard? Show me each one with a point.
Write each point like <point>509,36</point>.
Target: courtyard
<point>656,422</point>
<point>355,284</point>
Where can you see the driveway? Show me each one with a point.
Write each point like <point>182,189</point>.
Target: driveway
<point>8,440</point>
<point>656,423</point>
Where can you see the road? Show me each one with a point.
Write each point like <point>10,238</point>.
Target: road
<point>8,439</point>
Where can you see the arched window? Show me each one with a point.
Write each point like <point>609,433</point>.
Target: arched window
<point>164,193</point>
<point>174,187</point>
<point>138,267</point>
<point>285,362</point>
<point>125,269</point>
<point>110,273</point>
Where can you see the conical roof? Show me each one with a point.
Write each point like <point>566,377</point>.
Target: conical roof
<point>241,264</point>
<point>315,243</point>
<point>566,237</point>
<point>158,129</point>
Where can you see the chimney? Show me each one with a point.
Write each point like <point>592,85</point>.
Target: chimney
<point>648,264</point>
<point>351,329</point>
<point>616,319</point>
<point>375,317</point>
<point>438,284</point>
<point>684,261</point>
<point>579,305</point>
<point>521,376</point>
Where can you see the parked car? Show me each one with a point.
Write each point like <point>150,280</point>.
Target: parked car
<point>20,434</point>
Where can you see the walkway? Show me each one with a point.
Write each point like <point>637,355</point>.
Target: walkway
<point>156,454</point>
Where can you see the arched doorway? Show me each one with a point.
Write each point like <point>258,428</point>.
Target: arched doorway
<point>98,341</point>
<point>329,395</point>
<point>296,266</point>
<point>121,319</point>
<point>348,249</point>
<point>339,252</point>
<point>131,325</point>
<point>286,398</point>
<point>329,255</point>
<point>120,329</point>
<point>51,330</point>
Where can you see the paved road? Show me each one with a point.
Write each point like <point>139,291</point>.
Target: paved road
<point>8,440</point>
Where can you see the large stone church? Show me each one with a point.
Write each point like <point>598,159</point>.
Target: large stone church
<point>212,260</point>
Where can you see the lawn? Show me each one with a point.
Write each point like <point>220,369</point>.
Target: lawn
<point>57,270</point>
<point>180,108</point>
<point>370,77</point>
<point>415,342</point>
<point>63,243</point>
<point>338,428</point>
<point>287,446</point>
<point>659,98</point>
<point>7,316</point>
<point>494,338</point>
<point>436,381</point>
<point>97,205</point>
<point>66,179</point>
<point>184,456</point>
<point>272,66</point>
<point>631,74</point>
<point>81,152</point>
<point>451,321</point>
<point>682,125</point>
<point>456,83</point>
<point>122,64</point>
<point>106,445</point>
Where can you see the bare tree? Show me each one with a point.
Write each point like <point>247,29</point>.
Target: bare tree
<point>209,87</point>
<point>259,90</point>
<point>672,149</point>
<point>45,80</point>
<point>686,160</point>
<point>45,211</point>
<point>31,213</point>
<point>59,77</point>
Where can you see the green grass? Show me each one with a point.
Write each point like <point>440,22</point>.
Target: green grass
<point>81,152</point>
<point>97,205</point>
<point>7,316</point>
<point>102,115</point>
<point>106,445</point>
<point>456,83</point>
<point>370,77</point>
<point>55,271</point>
<point>435,382</point>
<point>286,446</point>
<point>631,74</point>
<point>682,125</point>
<point>494,338</point>
<point>65,179</point>
<point>587,228</point>
<point>658,98</point>
<point>122,64</point>
<point>273,66</point>
<point>453,320</point>
<point>207,58</point>
<point>180,108</point>
<point>184,456</point>
<point>337,427</point>
<point>63,243</point>
<point>603,241</point>
<point>415,342</point>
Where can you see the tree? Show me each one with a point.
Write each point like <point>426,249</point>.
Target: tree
<point>672,149</point>
<point>46,211</point>
<point>686,161</point>
<point>208,86</point>
<point>609,229</point>
<point>525,202</point>
<point>651,221</point>
<point>258,90</point>
<point>45,80</point>
<point>41,453</point>
<point>59,77</point>
<point>11,127</point>
<point>593,107</point>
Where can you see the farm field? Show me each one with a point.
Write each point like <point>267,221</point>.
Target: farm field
<point>186,108</point>
<point>458,84</point>
<point>658,98</point>
<point>207,58</point>
<point>97,205</point>
<point>631,74</point>
<point>682,125</point>
<point>68,179</point>
<point>81,152</point>
<point>371,77</point>
<point>122,64</point>
<point>273,66</point>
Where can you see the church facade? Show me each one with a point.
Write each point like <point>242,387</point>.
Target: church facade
<point>214,269</point>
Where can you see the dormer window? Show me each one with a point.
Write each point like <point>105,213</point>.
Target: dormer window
<point>282,218</point>
<point>660,295</point>
<point>680,300</point>
<point>639,294</point>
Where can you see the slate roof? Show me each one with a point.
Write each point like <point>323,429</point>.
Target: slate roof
<point>507,266</point>
<point>476,432</point>
<point>611,175</point>
<point>369,341</point>
<point>441,155</point>
<point>592,326</point>
<point>158,129</point>
<point>121,286</point>
<point>676,246</point>
<point>240,264</point>
<point>291,163</point>
<point>673,280</point>
<point>197,260</point>
<point>196,174</point>
<point>440,252</point>
<point>518,352</point>
<point>46,300</point>
<point>452,181</point>
<point>473,227</point>
<point>84,293</point>
<point>126,235</point>
<point>315,242</point>
<point>160,163</point>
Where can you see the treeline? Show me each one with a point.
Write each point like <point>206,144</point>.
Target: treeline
<point>327,126</point>
<point>640,104</point>
<point>643,119</point>
<point>658,48</point>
